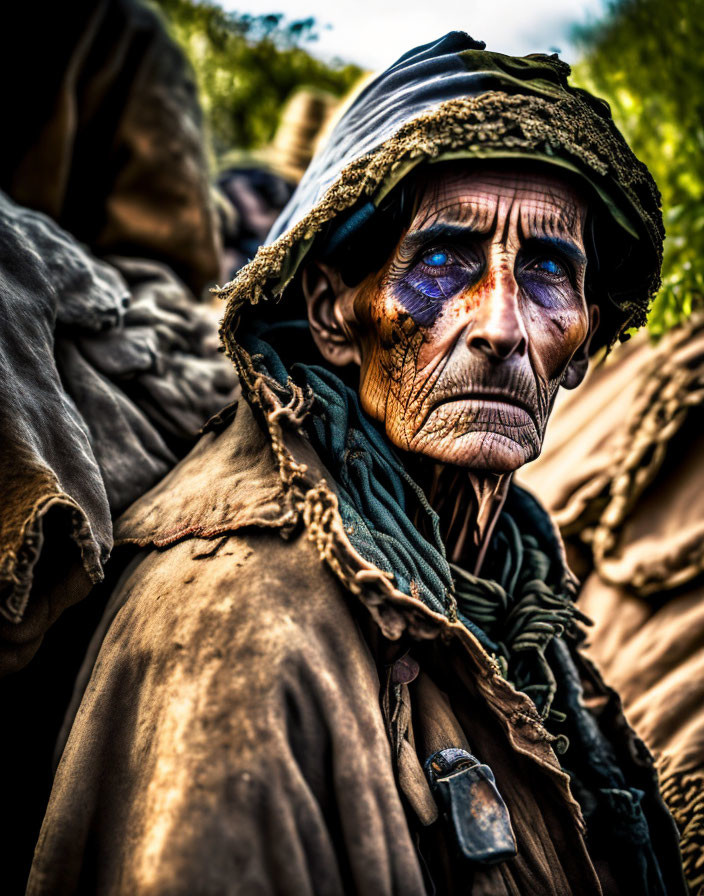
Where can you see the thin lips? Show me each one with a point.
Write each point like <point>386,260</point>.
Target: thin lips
<point>485,396</point>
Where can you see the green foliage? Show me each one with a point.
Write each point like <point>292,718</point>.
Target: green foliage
<point>646,58</point>
<point>247,67</point>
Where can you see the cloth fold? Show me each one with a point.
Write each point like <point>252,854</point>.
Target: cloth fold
<point>621,471</point>
<point>109,370</point>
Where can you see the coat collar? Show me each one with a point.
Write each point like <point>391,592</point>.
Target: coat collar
<point>253,467</point>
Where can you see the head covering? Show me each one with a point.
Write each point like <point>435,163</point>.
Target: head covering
<point>452,99</point>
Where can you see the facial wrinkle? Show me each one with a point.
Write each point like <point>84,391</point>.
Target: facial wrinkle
<point>444,391</point>
<point>437,372</point>
<point>551,219</point>
<point>451,207</point>
<point>512,380</point>
<point>503,240</point>
<point>408,415</point>
<point>401,365</point>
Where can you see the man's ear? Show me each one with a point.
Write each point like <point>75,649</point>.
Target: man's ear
<point>577,368</point>
<point>331,313</point>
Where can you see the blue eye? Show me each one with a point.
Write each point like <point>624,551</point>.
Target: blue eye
<point>436,259</point>
<point>550,266</point>
<point>436,278</point>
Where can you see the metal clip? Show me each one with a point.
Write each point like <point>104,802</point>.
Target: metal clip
<point>467,791</point>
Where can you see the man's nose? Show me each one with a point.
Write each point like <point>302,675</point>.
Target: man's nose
<point>497,329</point>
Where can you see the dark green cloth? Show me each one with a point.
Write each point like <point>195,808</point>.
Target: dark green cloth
<point>525,599</point>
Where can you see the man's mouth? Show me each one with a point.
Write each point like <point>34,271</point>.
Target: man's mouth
<point>488,397</point>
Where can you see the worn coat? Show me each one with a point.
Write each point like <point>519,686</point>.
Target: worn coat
<point>292,645</point>
<point>245,730</point>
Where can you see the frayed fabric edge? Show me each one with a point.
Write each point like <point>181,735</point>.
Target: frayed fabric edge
<point>17,570</point>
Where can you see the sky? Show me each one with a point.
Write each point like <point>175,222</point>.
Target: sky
<point>373,33</point>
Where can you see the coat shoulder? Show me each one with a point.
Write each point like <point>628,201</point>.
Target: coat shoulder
<point>230,592</point>
<point>234,706</point>
<point>229,481</point>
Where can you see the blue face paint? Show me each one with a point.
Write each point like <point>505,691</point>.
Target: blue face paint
<point>546,281</point>
<point>436,278</point>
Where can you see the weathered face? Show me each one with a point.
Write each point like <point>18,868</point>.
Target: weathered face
<point>466,333</point>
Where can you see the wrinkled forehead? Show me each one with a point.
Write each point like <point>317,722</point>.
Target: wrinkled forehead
<point>536,202</point>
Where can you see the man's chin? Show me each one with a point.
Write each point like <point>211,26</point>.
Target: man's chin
<point>482,451</point>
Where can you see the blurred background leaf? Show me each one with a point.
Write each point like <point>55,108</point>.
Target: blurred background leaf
<point>247,67</point>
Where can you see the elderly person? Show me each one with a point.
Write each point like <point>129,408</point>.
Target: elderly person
<point>345,658</point>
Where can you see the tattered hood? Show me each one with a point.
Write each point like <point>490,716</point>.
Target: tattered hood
<point>452,99</point>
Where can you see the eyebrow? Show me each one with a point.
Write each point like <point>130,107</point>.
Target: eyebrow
<point>453,232</point>
<point>566,247</point>
<point>457,233</point>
